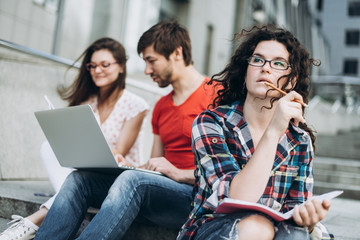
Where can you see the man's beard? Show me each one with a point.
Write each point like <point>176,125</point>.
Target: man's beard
<point>164,78</point>
<point>163,83</point>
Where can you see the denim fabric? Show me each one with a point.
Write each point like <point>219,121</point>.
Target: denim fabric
<point>224,228</point>
<point>121,200</point>
<point>290,231</point>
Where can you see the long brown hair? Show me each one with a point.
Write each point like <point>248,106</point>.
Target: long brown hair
<point>232,78</point>
<point>83,87</point>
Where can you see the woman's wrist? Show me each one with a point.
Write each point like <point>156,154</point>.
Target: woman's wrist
<point>273,134</point>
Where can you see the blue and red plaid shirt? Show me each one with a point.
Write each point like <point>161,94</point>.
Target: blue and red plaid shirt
<point>222,144</point>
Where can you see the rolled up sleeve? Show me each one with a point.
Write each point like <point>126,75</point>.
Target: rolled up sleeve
<point>216,166</point>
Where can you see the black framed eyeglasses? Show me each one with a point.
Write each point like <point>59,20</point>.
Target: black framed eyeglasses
<point>278,64</point>
<point>103,65</point>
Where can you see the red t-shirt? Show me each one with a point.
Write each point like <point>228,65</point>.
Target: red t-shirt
<point>173,124</point>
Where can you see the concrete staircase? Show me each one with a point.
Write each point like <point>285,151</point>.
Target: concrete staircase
<point>342,145</point>
<point>337,163</point>
<point>337,174</point>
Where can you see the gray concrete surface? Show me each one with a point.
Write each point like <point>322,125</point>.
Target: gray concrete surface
<point>341,145</point>
<point>3,224</point>
<point>337,173</point>
<point>17,197</point>
<point>343,219</point>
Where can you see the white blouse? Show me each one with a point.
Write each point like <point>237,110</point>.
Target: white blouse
<point>127,107</point>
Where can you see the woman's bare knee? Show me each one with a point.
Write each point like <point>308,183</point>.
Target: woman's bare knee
<point>255,227</point>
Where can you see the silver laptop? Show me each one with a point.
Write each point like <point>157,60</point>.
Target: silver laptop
<point>78,141</point>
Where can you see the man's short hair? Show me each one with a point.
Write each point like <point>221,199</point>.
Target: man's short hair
<point>166,36</point>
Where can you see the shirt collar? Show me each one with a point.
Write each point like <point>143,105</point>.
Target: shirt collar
<point>291,138</point>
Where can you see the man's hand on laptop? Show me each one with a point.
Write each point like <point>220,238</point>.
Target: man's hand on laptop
<point>161,164</point>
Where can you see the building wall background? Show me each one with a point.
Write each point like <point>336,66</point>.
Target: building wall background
<point>334,23</point>
<point>211,23</point>
<point>211,28</point>
<point>27,23</point>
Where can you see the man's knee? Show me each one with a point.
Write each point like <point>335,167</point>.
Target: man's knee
<point>76,179</point>
<point>127,180</point>
<point>130,182</point>
<point>132,178</point>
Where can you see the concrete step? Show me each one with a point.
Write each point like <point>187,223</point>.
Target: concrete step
<point>342,145</point>
<point>3,224</point>
<point>17,197</point>
<point>350,191</point>
<point>342,219</point>
<point>337,174</point>
<point>337,164</point>
<point>337,177</point>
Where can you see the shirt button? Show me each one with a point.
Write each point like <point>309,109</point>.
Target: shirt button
<point>214,140</point>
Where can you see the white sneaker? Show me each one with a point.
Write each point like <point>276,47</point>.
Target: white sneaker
<point>21,229</point>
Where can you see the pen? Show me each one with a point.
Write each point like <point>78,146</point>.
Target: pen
<point>284,93</point>
<point>43,194</point>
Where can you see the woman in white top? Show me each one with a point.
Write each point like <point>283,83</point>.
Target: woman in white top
<point>120,113</point>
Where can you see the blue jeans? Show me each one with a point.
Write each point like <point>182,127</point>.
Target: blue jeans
<point>225,228</point>
<point>121,199</point>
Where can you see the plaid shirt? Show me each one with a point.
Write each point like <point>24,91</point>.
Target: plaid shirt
<point>222,145</point>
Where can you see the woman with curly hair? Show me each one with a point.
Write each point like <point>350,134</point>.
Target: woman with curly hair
<point>255,145</point>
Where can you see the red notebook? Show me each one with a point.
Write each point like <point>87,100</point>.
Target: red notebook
<point>229,205</point>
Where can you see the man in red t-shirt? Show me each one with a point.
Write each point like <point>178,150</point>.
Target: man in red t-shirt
<point>135,195</point>
<point>168,62</point>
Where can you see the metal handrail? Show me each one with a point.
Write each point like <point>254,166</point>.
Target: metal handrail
<point>70,63</point>
<point>336,79</point>
<point>34,52</point>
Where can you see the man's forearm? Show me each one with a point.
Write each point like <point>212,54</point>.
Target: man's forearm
<point>185,176</point>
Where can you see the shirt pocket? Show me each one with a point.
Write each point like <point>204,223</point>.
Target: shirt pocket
<point>282,181</point>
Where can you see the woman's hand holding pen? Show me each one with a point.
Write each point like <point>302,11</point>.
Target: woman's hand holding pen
<point>286,110</point>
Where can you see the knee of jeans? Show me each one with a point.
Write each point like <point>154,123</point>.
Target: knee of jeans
<point>74,180</point>
<point>127,181</point>
<point>129,178</point>
<point>69,188</point>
